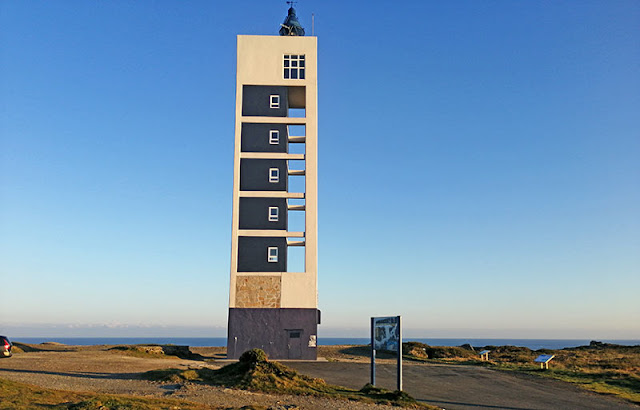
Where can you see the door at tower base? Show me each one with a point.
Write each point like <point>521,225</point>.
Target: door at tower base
<point>282,333</point>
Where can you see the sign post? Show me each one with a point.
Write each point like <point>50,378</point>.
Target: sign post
<point>399,353</point>
<point>373,351</point>
<point>386,334</point>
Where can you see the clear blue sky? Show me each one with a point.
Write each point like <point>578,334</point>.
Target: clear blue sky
<point>479,165</point>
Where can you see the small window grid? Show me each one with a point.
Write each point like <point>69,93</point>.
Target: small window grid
<point>294,66</point>
<point>273,213</point>
<point>272,254</point>
<point>274,175</point>
<point>274,101</point>
<point>274,137</point>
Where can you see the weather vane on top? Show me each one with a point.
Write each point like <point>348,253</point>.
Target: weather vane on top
<point>291,25</point>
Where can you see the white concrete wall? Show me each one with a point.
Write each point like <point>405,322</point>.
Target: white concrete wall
<point>260,62</point>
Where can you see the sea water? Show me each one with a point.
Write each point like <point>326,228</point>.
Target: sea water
<point>533,344</point>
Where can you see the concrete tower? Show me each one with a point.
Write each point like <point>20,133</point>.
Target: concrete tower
<point>271,307</point>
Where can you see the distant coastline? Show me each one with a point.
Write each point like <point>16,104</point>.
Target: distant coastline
<point>533,344</point>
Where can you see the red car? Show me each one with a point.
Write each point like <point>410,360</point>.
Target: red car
<point>6,346</point>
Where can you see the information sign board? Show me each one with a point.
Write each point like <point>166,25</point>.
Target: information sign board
<point>543,358</point>
<point>386,334</point>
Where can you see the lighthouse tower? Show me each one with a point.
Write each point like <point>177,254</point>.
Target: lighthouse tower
<point>272,307</point>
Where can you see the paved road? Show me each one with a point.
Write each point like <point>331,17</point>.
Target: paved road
<point>467,387</point>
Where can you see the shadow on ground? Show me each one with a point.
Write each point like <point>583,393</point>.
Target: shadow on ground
<point>44,347</point>
<point>365,351</point>
<point>80,375</point>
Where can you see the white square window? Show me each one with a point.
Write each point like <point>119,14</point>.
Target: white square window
<point>274,101</point>
<point>273,213</point>
<point>272,254</point>
<point>274,137</point>
<point>274,175</point>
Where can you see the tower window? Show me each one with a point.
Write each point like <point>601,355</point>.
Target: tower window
<point>274,101</point>
<point>272,254</point>
<point>273,213</point>
<point>274,175</point>
<point>294,66</point>
<point>274,137</point>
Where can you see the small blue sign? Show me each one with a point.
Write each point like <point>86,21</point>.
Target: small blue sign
<point>544,358</point>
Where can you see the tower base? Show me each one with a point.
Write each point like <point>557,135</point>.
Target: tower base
<point>283,334</point>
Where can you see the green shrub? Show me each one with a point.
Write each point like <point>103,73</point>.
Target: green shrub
<point>253,356</point>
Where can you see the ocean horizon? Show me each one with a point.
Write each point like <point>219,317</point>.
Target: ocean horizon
<point>533,344</point>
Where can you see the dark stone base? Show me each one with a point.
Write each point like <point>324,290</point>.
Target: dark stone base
<point>281,333</point>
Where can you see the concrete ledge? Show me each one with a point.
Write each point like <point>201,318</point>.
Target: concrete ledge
<point>271,194</point>
<point>275,120</point>
<point>271,155</point>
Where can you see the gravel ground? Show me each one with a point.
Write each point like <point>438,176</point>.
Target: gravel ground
<point>99,370</point>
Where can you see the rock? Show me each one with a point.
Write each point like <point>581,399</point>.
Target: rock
<point>180,351</point>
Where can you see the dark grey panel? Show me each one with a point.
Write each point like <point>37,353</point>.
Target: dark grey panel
<point>281,333</point>
<point>254,175</point>
<point>252,254</point>
<point>256,101</point>
<point>255,138</point>
<point>254,213</point>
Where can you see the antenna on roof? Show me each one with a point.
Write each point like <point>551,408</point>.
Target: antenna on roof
<point>313,24</point>
<point>291,2</point>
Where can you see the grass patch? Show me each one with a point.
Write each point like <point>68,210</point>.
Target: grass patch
<point>254,372</point>
<point>626,386</point>
<point>156,351</point>
<point>20,396</point>
<point>396,397</point>
<point>600,367</point>
<point>42,347</point>
<point>16,349</point>
<point>420,351</point>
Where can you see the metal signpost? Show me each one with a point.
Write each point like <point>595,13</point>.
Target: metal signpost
<point>386,334</point>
